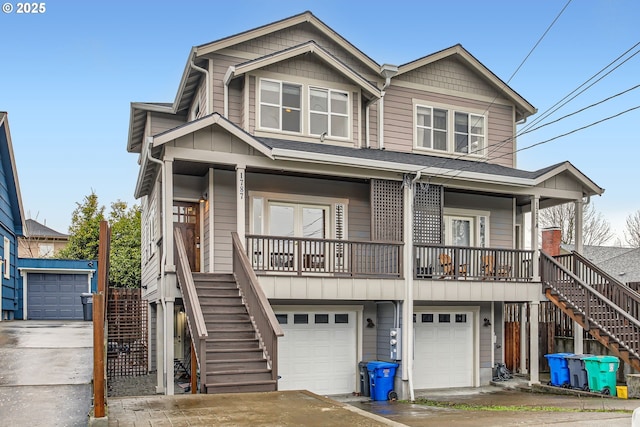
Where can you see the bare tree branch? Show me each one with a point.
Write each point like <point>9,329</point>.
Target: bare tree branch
<point>596,230</point>
<point>632,233</point>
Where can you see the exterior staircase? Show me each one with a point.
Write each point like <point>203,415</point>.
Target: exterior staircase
<point>608,309</point>
<point>235,357</point>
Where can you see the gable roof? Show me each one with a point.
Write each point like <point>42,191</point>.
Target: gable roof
<point>8,163</point>
<point>303,48</point>
<point>303,17</point>
<point>35,229</point>
<point>524,108</point>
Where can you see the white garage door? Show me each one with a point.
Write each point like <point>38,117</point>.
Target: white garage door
<point>318,351</point>
<point>443,349</point>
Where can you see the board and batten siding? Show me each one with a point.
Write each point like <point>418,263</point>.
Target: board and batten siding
<point>224,222</point>
<point>213,138</point>
<point>501,226</point>
<point>359,211</point>
<point>399,120</point>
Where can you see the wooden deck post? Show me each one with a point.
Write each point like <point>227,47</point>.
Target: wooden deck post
<point>194,370</point>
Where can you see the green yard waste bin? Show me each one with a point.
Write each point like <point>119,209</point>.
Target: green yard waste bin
<point>602,372</point>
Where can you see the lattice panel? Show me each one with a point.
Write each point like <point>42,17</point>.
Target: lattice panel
<point>127,333</point>
<point>427,213</point>
<point>387,208</point>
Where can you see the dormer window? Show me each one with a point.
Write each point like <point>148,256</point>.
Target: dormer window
<point>280,106</point>
<point>449,131</point>
<point>328,112</point>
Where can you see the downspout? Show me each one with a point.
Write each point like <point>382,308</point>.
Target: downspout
<point>227,79</point>
<point>387,71</point>
<point>164,257</point>
<point>206,76</point>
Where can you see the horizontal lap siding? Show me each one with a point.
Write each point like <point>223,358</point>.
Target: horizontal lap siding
<point>359,212</point>
<point>221,64</point>
<point>162,122</point>
<point>224,199</point>
<point>500,219</point>
<point>486,339</point>
<point>447,75</point>
<point>151,266</point>
<point>200,98</point>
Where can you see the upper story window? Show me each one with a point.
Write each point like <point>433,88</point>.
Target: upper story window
<point>328,112</point>
<point>449,131</point>
<point>280,105</point>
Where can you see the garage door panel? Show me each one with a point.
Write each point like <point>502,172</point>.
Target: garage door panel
<point>320,357</point>
<point>55,296</point>
<point>443,351</point>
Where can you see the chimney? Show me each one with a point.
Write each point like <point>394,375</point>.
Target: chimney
<point>551,240</point>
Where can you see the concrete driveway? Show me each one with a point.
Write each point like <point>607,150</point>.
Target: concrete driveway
<point>45,373</point>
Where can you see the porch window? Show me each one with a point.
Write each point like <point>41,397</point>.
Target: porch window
<point>466,228</point>
<point>328,112</point>
<point>280,105</point>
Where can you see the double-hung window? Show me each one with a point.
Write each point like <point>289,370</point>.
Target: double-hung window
<point>280,105</point>
<point>469,133</point>
<point>449,131</point>
<point>328,112</point>
<point>431,129</point>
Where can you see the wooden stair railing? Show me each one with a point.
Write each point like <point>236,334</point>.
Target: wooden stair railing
<point>257,304</point>
<point>604,318</point>
<point>195,318</point>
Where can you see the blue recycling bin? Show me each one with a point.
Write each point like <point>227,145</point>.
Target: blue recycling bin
<point>559,369</point>
<point>381,377</point>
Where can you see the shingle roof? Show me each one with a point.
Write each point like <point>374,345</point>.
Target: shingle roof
<point>621,263</point>
<point>420,160</point>
<point>35,229</point>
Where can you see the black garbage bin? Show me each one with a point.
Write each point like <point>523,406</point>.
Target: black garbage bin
<point>364,379</point>
<point>87,305</point>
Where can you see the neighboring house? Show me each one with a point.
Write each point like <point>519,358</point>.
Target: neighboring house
<point>11,224</point>
<point>379,207</point>
<point>622,264</point>
<point>40,241</point>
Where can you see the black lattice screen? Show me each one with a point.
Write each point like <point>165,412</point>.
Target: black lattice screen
<point>387,208</point>
<point>427,213</point>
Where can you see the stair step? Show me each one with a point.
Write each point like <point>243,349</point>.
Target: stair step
<point>231,334</point>
<point>242,387</point>
<point>225,377</point>
<point>234,353</point>
<point>236,364</point>
<point>236,343</point>
<point>214,277</point>
<point>222,309</point>
<point>217,292</point>
<point>230,325</point>
<point>222,317</point>
<point>234,300</point>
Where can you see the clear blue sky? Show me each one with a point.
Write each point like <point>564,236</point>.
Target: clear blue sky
<point>67,77</point>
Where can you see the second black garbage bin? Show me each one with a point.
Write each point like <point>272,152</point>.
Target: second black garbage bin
<point>87,305</point>
<point>364,379</point>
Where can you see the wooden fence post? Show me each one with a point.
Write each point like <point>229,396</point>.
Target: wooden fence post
<point>99,315</point>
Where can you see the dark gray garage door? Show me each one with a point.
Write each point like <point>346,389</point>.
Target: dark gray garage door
<point>55,296</point>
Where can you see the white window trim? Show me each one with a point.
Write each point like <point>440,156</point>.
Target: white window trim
<point>329,113</point>
<point>297,199</point>
<point>279,106</point>
<point>475,215</point>
<point>7,258</point>
<point>451,110</point>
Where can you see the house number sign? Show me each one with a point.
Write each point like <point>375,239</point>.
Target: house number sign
<point>241,185</point>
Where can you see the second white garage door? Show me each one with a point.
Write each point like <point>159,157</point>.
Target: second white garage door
<point>318,351</point>
<point>444,345</point>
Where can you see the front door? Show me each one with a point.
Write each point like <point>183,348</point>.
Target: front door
<point>186,219</point>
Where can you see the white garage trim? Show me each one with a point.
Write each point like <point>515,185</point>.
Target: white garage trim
<point>355,326</point>
<point>24,272</point>
<point>475,314</point>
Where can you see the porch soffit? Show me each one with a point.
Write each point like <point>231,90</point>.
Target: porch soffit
<point>305,48</point>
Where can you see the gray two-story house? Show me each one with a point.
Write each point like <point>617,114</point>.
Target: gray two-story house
<point>306,208</point>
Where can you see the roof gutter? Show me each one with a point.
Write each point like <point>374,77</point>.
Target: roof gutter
<point>387,71</point>
<point>206,76</point>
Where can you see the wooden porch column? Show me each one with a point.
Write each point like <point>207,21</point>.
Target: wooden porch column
<point>524,339</point>
<point>534,378</point>
<point>169,289</point>
<point>241,189</point>
<point>535,230</point>
<point>578,335</point>
<point>168,336</point>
